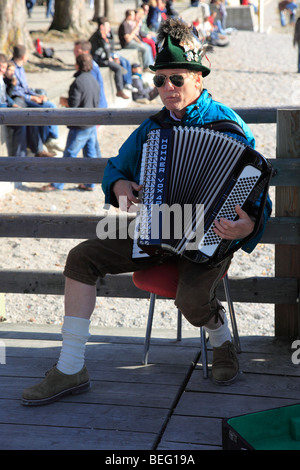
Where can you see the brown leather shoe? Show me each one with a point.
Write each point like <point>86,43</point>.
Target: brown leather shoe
<point>121,94</point>
<point>55,386</point>
<point>225,365</point>
<point>44,153</point>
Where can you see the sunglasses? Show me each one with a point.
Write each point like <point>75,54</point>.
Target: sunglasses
<point>176,80</point>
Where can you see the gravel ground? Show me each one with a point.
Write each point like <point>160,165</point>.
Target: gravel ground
<point>257,69</point>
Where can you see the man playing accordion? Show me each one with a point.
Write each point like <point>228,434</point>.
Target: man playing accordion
<point>179,70</point>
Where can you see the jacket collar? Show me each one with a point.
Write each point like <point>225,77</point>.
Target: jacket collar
<point>196,111</point>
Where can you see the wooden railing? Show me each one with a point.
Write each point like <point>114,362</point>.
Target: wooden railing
<point>283,229</point>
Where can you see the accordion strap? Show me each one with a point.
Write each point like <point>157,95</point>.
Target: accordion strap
<point>223,125</point>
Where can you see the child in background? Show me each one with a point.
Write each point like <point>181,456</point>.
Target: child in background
<point>144,93</point>
<point>10,83</point>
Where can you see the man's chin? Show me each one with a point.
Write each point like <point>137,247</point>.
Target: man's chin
<point>173,104</point>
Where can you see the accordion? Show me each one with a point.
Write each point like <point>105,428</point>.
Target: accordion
<point>192,176</point>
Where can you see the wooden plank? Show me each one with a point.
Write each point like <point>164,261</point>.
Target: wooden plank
<point>43,437</point>
<point>279,230</point>
<point>105,392</point>
<point>73,117</point>
<point>102,420</point>
<point>67,117</point>
<point>252,289</point>
<point>114,117</point>
<point>131,401</point>
<point>190,430</point>
<point>98,335</point>
<point>268,380</point>
<point>203,427</point>
<point>209,404</point>
<point>115,371</point>
<point>55,226</point>
<point>67,413</point>
<point>60,170</point>
<point>287,322</point>
<point>165,353</point>
<point>85,170</point>
<point>287,172</point>
<point>259,384</point>
<point>198,416</point>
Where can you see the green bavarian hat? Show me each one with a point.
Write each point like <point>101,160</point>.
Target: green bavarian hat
<point>178,47</point>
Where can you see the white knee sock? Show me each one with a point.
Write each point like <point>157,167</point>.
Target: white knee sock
<point>220,335</point>
<point>75,333</point>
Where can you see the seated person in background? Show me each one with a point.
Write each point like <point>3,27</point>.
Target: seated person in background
<point>83,93</point>
<point>10,83</point>
<point>129,38</point>
<point>211,34</point>
<point>21,136</point>
<point>144,93</point>
<point>29,98</point>
<point>125,63</point>
<point>103,53</point>
<point>145,34</point>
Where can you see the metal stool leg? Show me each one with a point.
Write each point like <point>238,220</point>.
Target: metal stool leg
<point>232,314</point>
<point>204,352</point>
<point>179,325</point>
<point>149,328</point>
<point>202,331</point>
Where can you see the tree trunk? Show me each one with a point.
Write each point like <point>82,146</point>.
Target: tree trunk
<point>13,26</point>
<point>104,8</point>
<point>109,10</point>
<point>70,16</point>
<point>97,9</point>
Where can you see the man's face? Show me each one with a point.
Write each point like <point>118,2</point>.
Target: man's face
<point>25,57</point>
<point>10,71</point>
<point>131,16</point>
<point>177,98</point>
<point>107,27</point>
<point>77,50</point>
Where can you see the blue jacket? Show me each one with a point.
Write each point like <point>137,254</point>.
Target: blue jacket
<point>127,164</point>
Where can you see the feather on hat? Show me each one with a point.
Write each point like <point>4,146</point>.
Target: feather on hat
<point>178,47</point>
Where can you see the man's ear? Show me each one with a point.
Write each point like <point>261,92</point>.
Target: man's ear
<point>199,79</point>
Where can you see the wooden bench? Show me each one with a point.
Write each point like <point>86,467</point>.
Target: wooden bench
<point>283,229</point>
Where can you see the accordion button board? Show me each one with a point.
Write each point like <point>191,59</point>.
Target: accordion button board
<point>241,190</point>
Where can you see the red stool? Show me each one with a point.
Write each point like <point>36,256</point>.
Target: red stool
<point>162,280</point>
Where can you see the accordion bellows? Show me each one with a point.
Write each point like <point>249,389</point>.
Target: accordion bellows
<point>190,177</point>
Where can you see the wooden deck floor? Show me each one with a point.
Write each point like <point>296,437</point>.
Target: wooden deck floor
<point>166,405</point>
